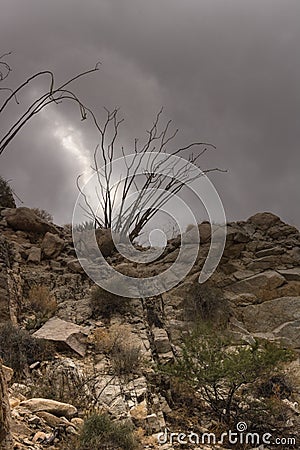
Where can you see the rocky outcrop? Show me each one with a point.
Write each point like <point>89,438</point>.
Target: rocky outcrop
<point>258,282</point>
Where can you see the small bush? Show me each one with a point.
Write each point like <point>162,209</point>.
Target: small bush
<point>206,303</point>
<point>19,349</point>
<point>125,357</point>
<point>6,194</point>
<point>66,383</point>
<point>106,304</point>
<point>43,214</point>
<point>101,432</point>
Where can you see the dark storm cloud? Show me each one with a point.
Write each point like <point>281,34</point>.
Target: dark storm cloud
<point>226,72</point>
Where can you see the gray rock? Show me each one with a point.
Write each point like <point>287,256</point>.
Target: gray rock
<point>275,316</point>
<point>261,284</point>
<point>265,262</point>
<point>269,252</point>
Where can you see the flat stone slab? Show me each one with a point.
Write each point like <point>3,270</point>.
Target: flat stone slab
<point>60,331</point>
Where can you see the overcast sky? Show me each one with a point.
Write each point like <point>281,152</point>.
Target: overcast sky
<point>225,71</point>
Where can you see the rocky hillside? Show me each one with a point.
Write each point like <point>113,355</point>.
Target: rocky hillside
<point>255,293</point>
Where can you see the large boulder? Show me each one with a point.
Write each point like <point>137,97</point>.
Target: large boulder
<point>24,219</point>
<point>51,406</point>
<point>52,245</point>
<point>264,220</point>
<point>64,334</point>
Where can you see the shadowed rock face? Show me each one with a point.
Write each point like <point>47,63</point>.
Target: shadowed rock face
<point>24,219</point>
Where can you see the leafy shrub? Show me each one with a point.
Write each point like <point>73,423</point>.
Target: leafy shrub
<point>220,371</point>
<point>106,304</point>
<point>6,194</point>
<point>43,214</point>
<point>19,349</point>
<point>101,432</point>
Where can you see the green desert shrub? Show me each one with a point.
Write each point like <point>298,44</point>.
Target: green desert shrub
<point>18,349</point>
<point>220,371</point>
<point>101,432</point>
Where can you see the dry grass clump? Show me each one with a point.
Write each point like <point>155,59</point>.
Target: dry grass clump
<point>41,300</point>
<point>116,342</point>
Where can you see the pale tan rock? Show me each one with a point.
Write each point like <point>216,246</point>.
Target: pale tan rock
<point>40,436</point>
<point>51,406</point>
<point>52,420</point>
<point>140,411</point>
<point>77,422</point>
<point>67,333</point>
<point>14,402</point>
